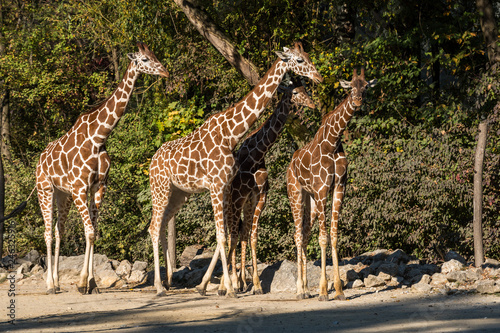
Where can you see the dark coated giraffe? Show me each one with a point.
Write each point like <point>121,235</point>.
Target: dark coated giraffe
<point>203,160</point>
<point>249,187</point>
<point>77,163</point>
<point>316,169</point>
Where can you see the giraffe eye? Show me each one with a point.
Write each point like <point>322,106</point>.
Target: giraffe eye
<point>300,60</point>
<point>145,59</point>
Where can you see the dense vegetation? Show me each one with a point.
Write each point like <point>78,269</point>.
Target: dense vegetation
<point>410,148</point>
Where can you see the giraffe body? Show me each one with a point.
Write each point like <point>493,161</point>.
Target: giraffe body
<point>249,188</point>
<point>316,169</point>
<point>203,160</point>
<point>77,164</point>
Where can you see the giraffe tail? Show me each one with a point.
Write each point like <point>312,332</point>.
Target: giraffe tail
<point>18,209</point>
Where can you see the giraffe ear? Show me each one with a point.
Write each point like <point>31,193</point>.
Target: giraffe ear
<point>131,56</point>
<point>345,84</point>
<point>283,56</point>
<point>372,83</point>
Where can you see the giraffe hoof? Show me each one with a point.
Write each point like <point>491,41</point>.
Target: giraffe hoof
<point>300,296</point>
<point>51,291</point>
<point>231,295</point>
<point>221,292</point>
<point>94,291</point>
<point>57,288</point>
<point>201,291</point>
<point>339,297</point>
<point>258,292</point>
<point>82,290</point>
<point>323,298</point>
<point>307,295</point>
<point>161,293</point>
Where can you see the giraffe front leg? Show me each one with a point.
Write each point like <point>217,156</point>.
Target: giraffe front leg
<point>63,205</point>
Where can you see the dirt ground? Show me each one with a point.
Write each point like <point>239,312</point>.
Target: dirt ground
<point>139,310</point>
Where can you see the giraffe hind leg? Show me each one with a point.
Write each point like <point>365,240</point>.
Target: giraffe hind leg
<point>63,205</point>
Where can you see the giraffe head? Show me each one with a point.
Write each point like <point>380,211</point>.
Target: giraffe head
<point>298,61</point>
<point>300,96</point>
<point>145,61</point>
<point>359,86</point>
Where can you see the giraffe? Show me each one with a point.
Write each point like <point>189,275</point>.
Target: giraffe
<point>249,187</point>
<point>316,169</point>
<point>77,163</point>
<point>203,160</point>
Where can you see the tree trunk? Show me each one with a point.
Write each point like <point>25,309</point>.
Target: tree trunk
<point>478,194</point>
<point>488,26</point>
<point>171,241</point>
<point>2,204</point>
<point>490,34</point>
<point>5,128</point>
<point>116,63</point>
<point>212,33</point>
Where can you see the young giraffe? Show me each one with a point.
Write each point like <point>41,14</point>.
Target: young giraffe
<point>78,162</point>
<point>203,160</point>
<point>249,187</point>
<point>316,169</point>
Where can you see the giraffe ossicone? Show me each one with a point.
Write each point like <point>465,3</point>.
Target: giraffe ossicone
<point>203,160</point>
<point>77,164</point>
<point>314,171</point>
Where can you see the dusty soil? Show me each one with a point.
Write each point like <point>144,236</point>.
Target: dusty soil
<point>139,310</point>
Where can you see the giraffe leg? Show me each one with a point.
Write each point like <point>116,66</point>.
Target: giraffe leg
<point>80,199</point>
<point>338,196</point>
<point>253,238</point>
<point>63,205</point>
<point>244,232</point>
<point>296,203</point>
<point>320,201</point>
<point>46,201</point>
<point>217,193</point>
<point>310,213</point>
<point>167,200</point>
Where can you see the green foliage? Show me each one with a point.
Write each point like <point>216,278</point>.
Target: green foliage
<point>410,147</point>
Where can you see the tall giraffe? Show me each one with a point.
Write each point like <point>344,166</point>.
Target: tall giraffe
<point>249,187</point>
<point>203,160</point>
<point>316,169</point>
<point>77,163</point>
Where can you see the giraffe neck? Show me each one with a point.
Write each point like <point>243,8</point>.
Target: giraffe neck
<point>240,117</point>
<point>266,135</point>
<point>106,116</point>
<point>335,124</point>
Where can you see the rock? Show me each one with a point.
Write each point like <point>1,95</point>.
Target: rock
<point>384,276</point>
<point>32,256</point>
<point>422,287</point>
<point>136,276</point>
<point>491,263</point>
<point>139,266</point>
<point>397,257</point>
<point>389,268</point>
<point>358,284</point>
<point>454,255</point>
<point>474,274</point>
<point>194,277</point>
<point>24,268</point>
<point>429,269</point>
<point>189,253</point>
<point>124,269</point>
<point>115,263</point>
<point>201,260</point>
<point>438,280</point>
<point>487,287</point>
<point>106,276</point>
<point>451,265</point>
<point>373,281</point>
<point>285,278</point>
<point>456,276</point>
<point>37,269</point>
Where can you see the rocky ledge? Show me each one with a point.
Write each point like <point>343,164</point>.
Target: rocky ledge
<point>375,270</point>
